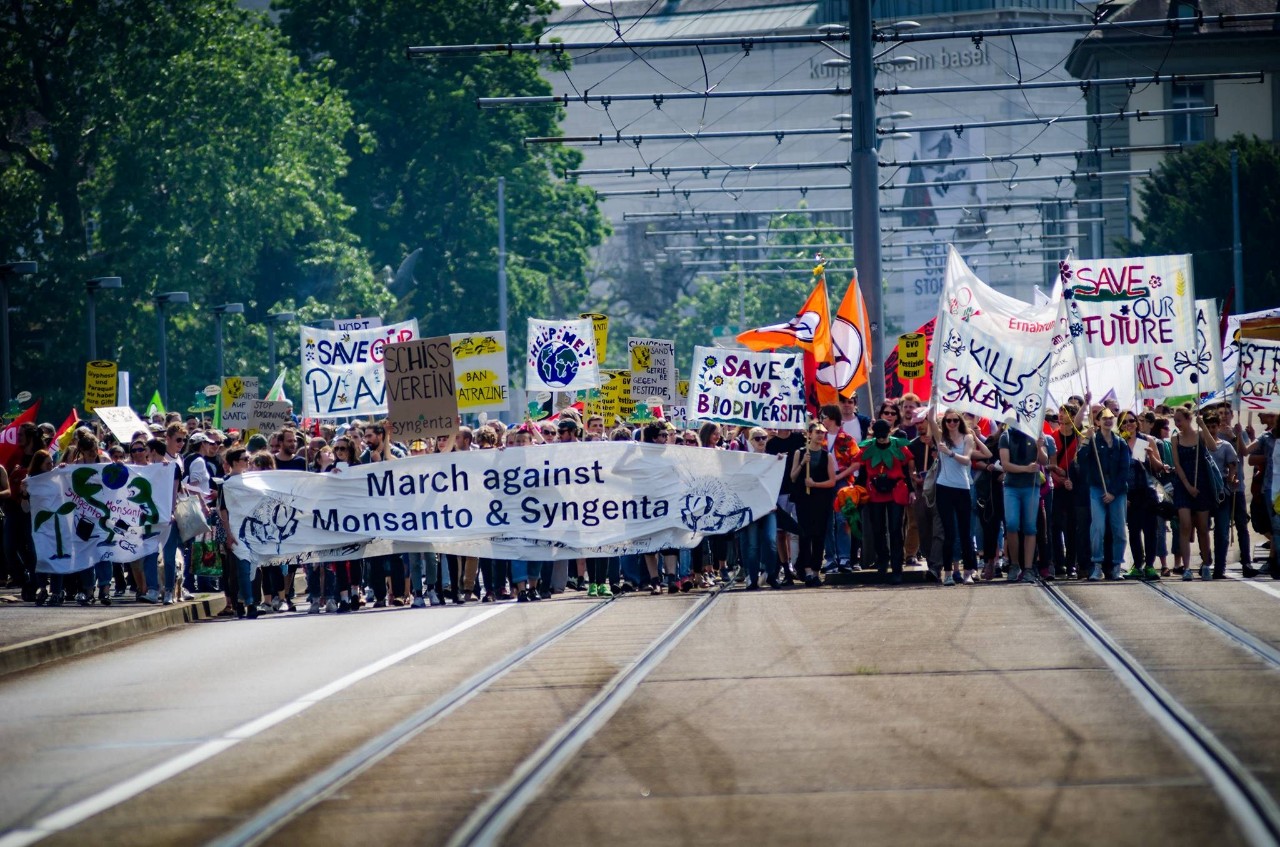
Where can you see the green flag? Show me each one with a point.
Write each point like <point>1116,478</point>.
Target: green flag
<point>155,407</point>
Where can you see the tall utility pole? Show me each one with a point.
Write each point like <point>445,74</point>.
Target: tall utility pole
<point>865,182</point>
<point>1237,251</point>
<point>502,255</point>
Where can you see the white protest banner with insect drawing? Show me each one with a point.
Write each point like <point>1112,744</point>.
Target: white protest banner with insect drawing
<point>85,514</point>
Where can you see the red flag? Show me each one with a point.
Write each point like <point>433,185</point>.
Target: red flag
<point>810,330</point>
<point>9,450</point>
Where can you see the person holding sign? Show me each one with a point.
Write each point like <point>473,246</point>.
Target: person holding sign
<point>813,469</point>
<point>1191,490</point>
<point>957,449</point>
<point>1104,460</point>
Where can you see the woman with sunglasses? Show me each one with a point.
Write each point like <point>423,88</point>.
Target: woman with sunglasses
<point>348,575</point>
<point>890,414</point>
<point>813,470</point>
<point>957,449</point>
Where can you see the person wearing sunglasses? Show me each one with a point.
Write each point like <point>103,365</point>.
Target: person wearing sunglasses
<point>1104,458</point>
<point>957,449</point>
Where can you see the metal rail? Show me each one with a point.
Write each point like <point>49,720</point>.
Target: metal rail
<point>1250,642</point>
<point>1245,798</point>
<point>307,794</point>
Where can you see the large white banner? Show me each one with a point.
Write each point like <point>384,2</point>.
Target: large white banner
<point>745,388</point>
<point>1259,374</point>
<point>480,371</point>
<point>85,514</point>
<point>993,354</point>
<point>342,369</point>
<point>538,503</point>
<point>1197,373</point>
<point>1140,306</point>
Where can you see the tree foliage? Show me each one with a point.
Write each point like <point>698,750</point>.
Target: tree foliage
<point>1187,209</point>
<point>425,172</point>
<point>179,145</point>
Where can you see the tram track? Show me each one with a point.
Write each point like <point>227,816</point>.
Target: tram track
<point>1245,797</point>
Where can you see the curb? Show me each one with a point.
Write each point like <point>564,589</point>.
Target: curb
<point>74,642</point>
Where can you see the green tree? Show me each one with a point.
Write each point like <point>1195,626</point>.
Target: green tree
<point>426,174</point>
<point>179,145</point>
<point>1187,209</point>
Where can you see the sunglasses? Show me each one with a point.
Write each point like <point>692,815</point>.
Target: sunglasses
<point>137,449</point>
<point>952,420</point>
<point>691,440</point>
<point>889,413</point>
<point>180,440</point>
<point>759,438</point>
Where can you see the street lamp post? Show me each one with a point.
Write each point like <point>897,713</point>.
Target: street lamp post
<point>93,286</point>
<point>220,312</point>
<point>162,300</point>
<point>273,320</point>
<point>9,271</point>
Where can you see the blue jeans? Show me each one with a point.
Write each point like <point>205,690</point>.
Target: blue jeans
<point>169,550</point>
<point>244,580</point>
<point>1100,514</point>
<point>838,540</point>
<point>757,546</point>
<point>1021,508</point>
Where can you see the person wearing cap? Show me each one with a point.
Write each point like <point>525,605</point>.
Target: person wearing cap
<point>1104,459</point>
<point>566,431</point>
<point>1021,457</point>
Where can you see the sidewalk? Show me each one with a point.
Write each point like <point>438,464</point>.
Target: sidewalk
<point>31,635</point>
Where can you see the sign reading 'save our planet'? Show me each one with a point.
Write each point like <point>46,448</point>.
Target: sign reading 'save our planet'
<point>342,370</point>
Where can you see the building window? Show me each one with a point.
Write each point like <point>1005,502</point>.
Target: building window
<point>1188,129</point>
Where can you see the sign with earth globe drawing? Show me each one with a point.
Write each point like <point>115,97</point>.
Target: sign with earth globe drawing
<point>561,356</point>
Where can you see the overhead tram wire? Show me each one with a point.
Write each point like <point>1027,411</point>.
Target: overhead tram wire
<point>1172,25</point>
<point>659,98</point>
<point>685,215</point>
<point>779,135</point>
<point>998,224</point>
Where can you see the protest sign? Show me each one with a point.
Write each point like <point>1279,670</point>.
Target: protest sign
<point>678,412</point>
<point>1196,374</point>
<point>1115,376</point>
<point>238,392</point>
<point>895,387</point>
<point>1231,343</point>
<point>342,369</point>
<point>615,396</point>
<point>480,371</point>
<point>100,385</point>
<point>1258,361</point>
<point>911,356</point>
<point>85,514</point>
<point>747,388</point>
<point>555,502</point>
<point>600,331</point>
<point>122,389</point>
<point>122,421</point>
<point>357,323</point>
<point>561,356</point>
<point>653,368</point>
<point>1139,306</point>
<point>269,415</point>
<point>421,398</point>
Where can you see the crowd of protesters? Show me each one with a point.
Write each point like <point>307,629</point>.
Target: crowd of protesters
<point>1103,494</point>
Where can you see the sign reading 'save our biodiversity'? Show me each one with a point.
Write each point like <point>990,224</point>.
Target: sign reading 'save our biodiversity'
<point>561,356</point>
<point>420,388</point>
<point>558,501</point>
<point>342,370</point>
<point>100,385</point>
<point>747,388</point>
<point>480,371</point>
<point>653,368</point>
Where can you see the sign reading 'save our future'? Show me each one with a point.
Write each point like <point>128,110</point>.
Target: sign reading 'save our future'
<point>342,371</point>
<point>421,392</point>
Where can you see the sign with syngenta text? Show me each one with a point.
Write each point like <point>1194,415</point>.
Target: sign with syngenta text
<point>747,389</point>
<point>342,369</point>
<point>421,395</point>
<point>553,502</point>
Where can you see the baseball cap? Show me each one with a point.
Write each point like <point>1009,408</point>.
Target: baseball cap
<point>200,438</point>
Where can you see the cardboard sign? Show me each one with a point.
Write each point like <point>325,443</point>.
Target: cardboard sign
<point>653,368</point>
<point>270,415</point>
<point>480,371</point>
<point>422,398</point>
<point>615,396</point>
<point>100,385</point>
<point>122,421</point>
<point>238,393</point>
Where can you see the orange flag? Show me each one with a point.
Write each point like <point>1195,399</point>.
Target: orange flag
<point>810,330</point>
<point>850,344</point>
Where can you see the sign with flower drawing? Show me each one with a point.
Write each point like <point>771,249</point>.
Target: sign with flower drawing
<point>747,389</point>
<point>1139,306</point>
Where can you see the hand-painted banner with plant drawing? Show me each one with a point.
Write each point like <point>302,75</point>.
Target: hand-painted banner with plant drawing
<point>1139,306</point>
<point>746,388</point>
<point>551,502</point>
<point>85,514</point>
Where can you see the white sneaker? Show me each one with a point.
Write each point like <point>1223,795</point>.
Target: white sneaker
<point>275,604</point>
<point>331,607</point>
<point>187,596</point>
<point>314,607</point>
<point>968,577</point>
<point>152,596</point>
<point>949,579</point>
<point>369,596</point>
<point>433,598</point>
<point>168,598</point>
<point>418,602</point>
